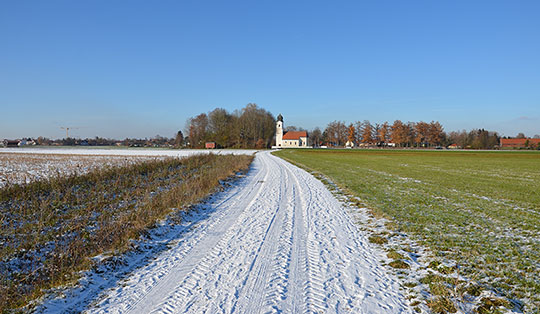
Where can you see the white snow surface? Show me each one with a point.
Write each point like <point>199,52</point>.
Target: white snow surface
<point>276,242</point>
<point>125,151</point>
<point>24,165</point>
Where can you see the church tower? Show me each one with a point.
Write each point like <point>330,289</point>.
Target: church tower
<point>279,131</point>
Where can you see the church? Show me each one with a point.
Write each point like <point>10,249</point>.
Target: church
<point>290,139</point>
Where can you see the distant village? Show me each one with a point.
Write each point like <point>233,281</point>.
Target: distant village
<point>283,139</point>
<point>255,127</point>
<point>158,141</point>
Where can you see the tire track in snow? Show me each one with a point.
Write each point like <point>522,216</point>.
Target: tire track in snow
<point>305,270</point>
<point>267,283</point>
<point>250,229</point>
<point>280,243</point>
<point>155,277</point>
<point>341,260</point>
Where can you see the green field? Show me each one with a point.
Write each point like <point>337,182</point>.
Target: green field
<point>477,210</point>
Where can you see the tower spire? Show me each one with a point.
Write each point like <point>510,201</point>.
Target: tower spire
<point>279,131</point>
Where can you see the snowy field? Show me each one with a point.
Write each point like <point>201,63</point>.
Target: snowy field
<point>276,242</point>
<point>24,165</point>
<point>124,151</point>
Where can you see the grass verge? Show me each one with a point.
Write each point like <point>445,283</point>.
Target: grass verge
<point>50,229</point>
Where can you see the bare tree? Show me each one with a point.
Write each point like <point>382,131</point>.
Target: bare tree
<point>351,138</point>
<point>255,123</point>
<point>422,130</point>
<point>367,132</point>
<point>179,139</point>
<point>435,133</point>
<point>376,129</point>
<point>197,130</point>
<point>399,133</point>
<point>384,132</point>
<point>249,127</point>
<point>221,127</point>
<point>460,138</point>
<point>358,126</point>
<point>336,133</point>
<point>315,137</point>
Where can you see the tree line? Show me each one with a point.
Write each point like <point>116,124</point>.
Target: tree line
<point>249,127</point>
<point>477,138</point>
<point>401,134</point>
<point>254,127</point>
<point>410,134</point>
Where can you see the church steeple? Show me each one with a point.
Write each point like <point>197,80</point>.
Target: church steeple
<point>279,130</point>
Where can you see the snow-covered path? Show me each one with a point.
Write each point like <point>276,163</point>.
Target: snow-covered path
<point>279,242</point>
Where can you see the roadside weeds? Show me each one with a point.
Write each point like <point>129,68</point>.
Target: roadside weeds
<point>52,228</point>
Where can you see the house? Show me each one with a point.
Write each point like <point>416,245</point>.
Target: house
<point>210,145</point>
<point>295,139</point>
<point>18,143</point>
<point>27,142</point>
<point>290,139</point>
<point>11,143</point>
<point>453,146</point>
<point>520,142</point>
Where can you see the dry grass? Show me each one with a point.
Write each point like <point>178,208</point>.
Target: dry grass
<point>51,228</point>
<point>442,304</point>
<point>399,264</point>
<point>377,239</point>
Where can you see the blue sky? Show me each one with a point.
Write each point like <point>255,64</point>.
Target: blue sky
<point>141,68</point>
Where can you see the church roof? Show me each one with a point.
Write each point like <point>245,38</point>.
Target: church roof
<point>294,135</point>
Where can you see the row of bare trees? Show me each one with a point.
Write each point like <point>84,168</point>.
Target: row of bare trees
<point>477,139</point>
<point>254,127</point>
<point>411,134</point>
<point>250,127</point>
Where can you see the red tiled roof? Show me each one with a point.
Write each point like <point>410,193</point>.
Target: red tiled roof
<point>294,135</point>
<point>519,141</point>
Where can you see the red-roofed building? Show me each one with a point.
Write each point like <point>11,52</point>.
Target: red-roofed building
<point>520,142</point>
<point>295,139</point>
<point>291,138</point>
<point>294,135</point>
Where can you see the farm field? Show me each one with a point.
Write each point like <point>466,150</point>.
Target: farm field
<point>123,151</point>
<point>477,212</point>
<point>21,168</point>
<point>24,165</point>
<point>55,224</point>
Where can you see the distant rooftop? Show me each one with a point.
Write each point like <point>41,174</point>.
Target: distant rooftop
<point>294,135</point>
